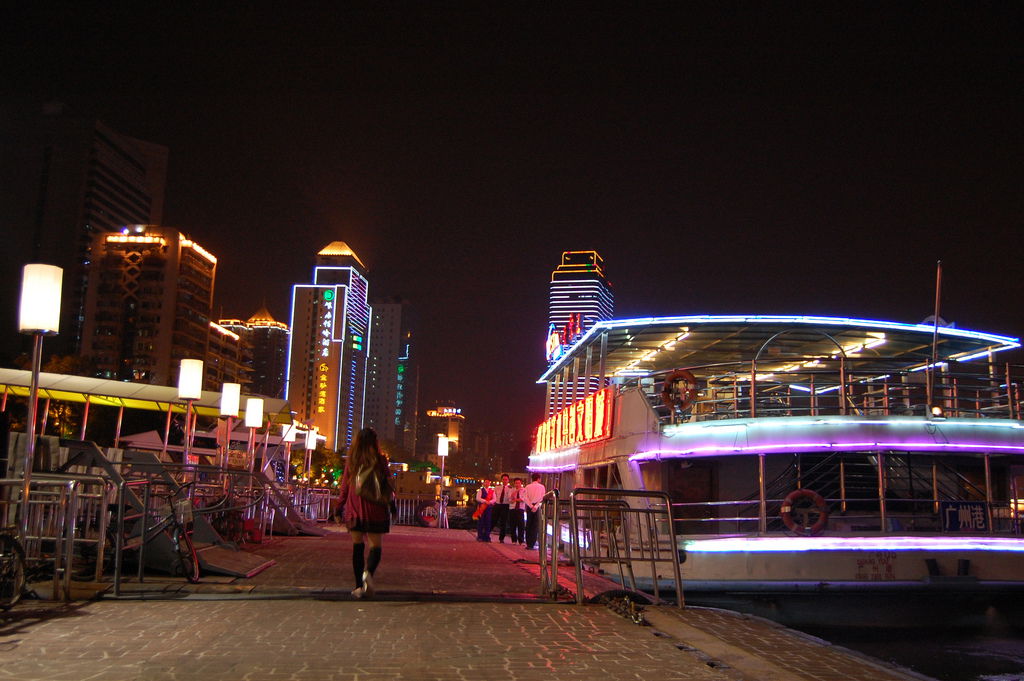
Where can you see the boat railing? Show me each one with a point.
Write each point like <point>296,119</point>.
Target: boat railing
<point>844,386</point>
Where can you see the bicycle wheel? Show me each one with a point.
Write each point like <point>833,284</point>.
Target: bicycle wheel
<point>12,571</point>
<point>188,562</point>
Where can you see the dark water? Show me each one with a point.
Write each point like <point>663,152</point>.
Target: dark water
<point>991,654</point>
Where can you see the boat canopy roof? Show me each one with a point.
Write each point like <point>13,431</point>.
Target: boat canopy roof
<point>105,392</point>
<point>651,345</point>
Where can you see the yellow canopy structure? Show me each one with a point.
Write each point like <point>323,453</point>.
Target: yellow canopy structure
<point>104,392</point>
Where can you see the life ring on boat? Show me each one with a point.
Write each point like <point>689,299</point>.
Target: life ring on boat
<point>687,393</point>
<point>805,511</point>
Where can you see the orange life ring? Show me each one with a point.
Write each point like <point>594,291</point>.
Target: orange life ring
<point>804,528</point>
<point>687,393</point>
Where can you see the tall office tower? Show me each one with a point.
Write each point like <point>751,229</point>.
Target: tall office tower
<point>67,179</point>
<point>328,352</point>
<point>228,359</point>
<point>148,304</point>
<point>390,381</point>
<point>266,343</point>
<point>579,295</point>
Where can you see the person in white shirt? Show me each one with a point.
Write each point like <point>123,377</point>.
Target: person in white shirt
<point>502,498</point>
<point>533,497</point>
<point>517,513</point>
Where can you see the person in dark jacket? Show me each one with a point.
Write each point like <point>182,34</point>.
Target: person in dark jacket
<point>367,521</point>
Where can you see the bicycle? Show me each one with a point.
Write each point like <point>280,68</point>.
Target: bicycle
<point>174,520</point>
<point>12,569</point>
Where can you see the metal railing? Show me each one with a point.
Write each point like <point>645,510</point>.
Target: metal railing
<point>846,386</point>
<point>625,528</point>
<point>553,516</point>
<point>65,513</point>
<point>606,528</point>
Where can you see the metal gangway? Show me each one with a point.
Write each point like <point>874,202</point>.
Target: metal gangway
<point>627,529</point>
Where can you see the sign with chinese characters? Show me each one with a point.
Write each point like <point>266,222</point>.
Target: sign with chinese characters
<point>326,322</point>
<point>588,420</point>
<point>963,516</point>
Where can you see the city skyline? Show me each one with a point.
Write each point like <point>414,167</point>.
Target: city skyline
<point>758,161</point>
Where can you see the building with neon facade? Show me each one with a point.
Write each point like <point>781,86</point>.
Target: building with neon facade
<point>805,458</point>
<point>579,296</point>
<point>329,348</point>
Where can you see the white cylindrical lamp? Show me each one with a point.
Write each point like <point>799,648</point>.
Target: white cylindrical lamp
<point>254,412</point>
<point>39,311</point>
<point>230,396</point>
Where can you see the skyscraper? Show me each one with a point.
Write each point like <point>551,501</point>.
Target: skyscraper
<point>266,343</point>
<point>327,356</point>
<point>579,295</point>
<point>148,306</point>
<point>391,382</point>
<point>68,179</point>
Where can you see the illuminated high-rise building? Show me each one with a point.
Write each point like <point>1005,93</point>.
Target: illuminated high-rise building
<point>391,380</point>
<point>148,306</point>
<point>579,295</point>
<point>329,348</point>
<point>266,351</point>
<point>67,179</point>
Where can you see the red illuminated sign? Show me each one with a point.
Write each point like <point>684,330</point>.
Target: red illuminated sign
<point>586,421</point>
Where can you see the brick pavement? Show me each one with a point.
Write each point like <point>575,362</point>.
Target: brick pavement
<point>450,608</point>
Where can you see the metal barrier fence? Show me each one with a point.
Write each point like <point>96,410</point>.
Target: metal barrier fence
<point>600,526</point>
<point>66,512</point>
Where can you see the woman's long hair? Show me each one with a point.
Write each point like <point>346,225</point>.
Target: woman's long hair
<point>364,452</point>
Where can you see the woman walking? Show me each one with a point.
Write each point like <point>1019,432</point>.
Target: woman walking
<point>366,498</point>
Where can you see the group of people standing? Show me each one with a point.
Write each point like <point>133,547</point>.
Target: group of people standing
<point>510,507</point>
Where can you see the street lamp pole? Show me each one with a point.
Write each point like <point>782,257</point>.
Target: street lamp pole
<point>253,420</point>
<point>230,396</point>
<point>39,315</point>
<point>190,389</point>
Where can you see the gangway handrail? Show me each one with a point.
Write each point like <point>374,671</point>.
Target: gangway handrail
<point>607,521</point>
<point>549,583</point>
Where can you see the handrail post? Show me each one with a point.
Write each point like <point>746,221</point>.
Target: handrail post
<point>762,511</point>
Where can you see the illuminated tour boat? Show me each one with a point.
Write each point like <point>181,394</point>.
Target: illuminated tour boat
<point>808,459</point>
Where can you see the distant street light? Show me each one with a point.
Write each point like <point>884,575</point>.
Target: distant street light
<point>38,315</point>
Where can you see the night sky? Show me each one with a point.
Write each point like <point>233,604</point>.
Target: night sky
<point>769,158</point>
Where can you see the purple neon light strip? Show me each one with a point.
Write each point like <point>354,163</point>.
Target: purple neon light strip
<point>778,544</point>
<point>796,446</point>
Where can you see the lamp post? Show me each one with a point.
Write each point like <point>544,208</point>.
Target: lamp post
<point>442,505</point>
<point>39,315</point>
<point>310,446</point>
<point>230,394</point>
<point>253,420</point>
<point>288,438</point>
<point>190,389</point>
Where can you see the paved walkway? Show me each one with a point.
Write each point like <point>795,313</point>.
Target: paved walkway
<point>448,608</point>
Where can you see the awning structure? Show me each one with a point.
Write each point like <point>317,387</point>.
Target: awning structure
<point>649,345</point>
<point>104,392</point>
